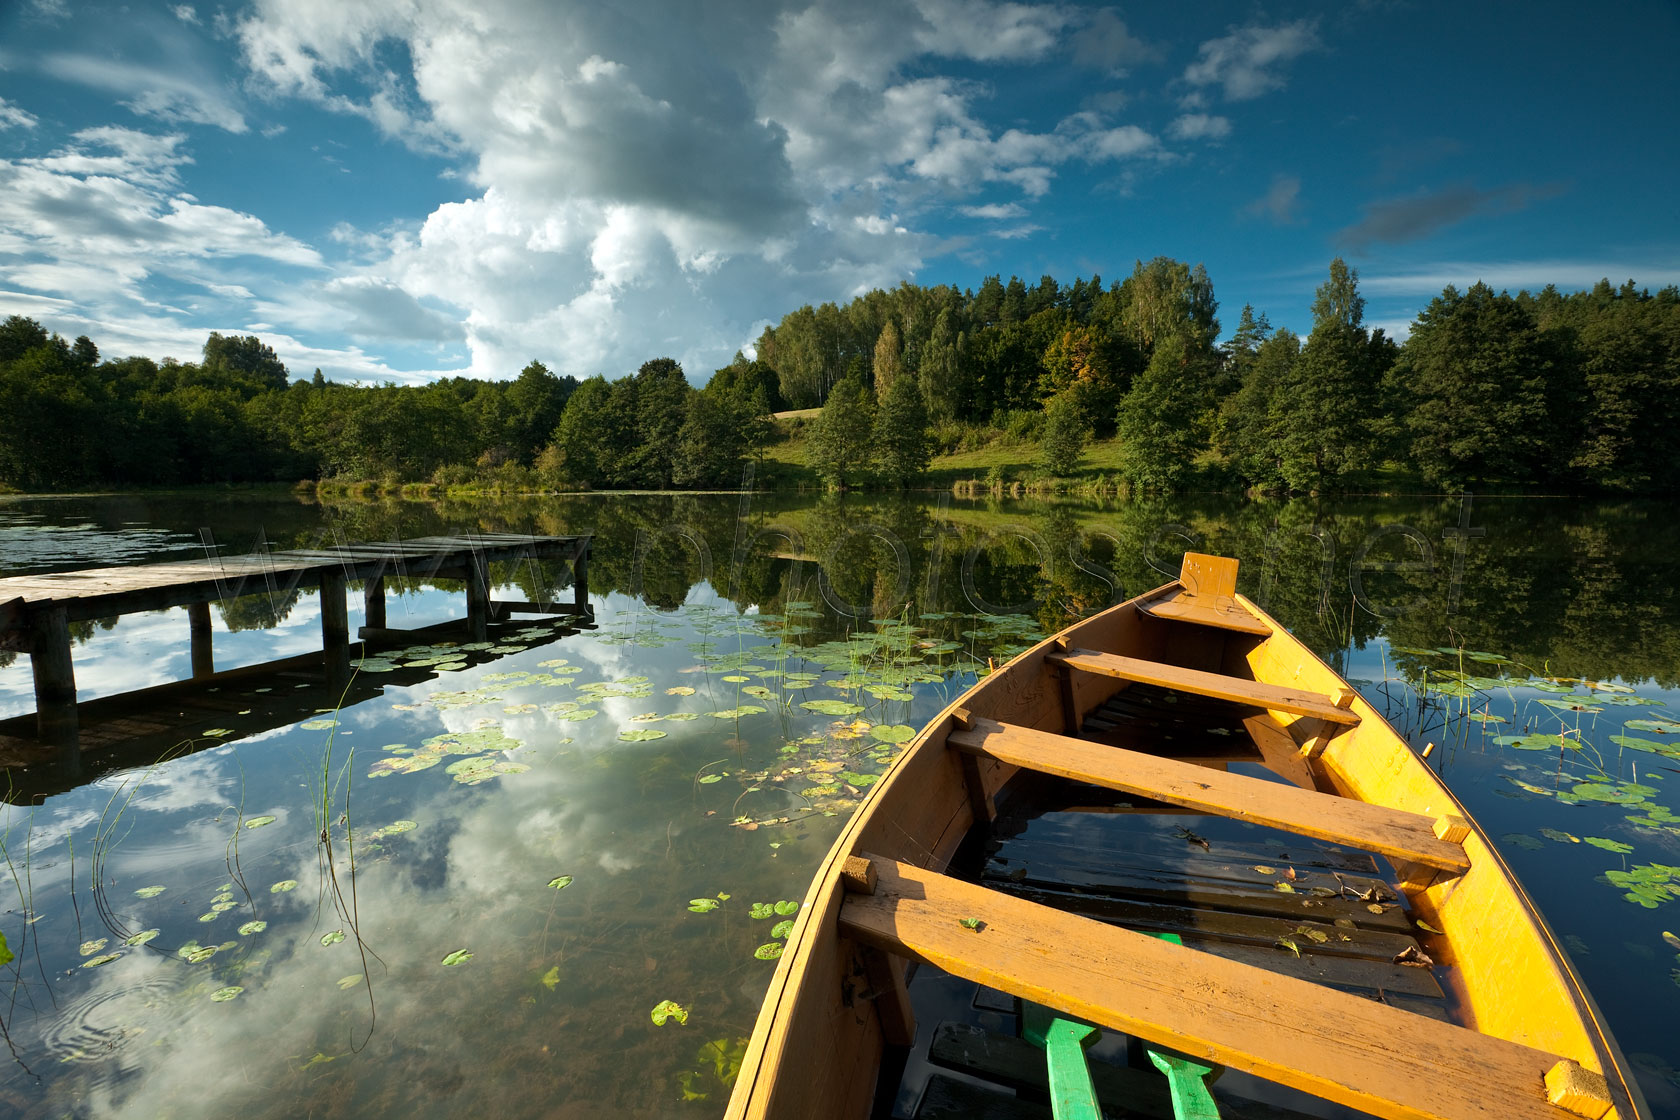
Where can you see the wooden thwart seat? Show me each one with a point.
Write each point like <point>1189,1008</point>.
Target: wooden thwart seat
<point>1374,828</point>
<point>1331,1044</point>
<point>1221,613</point>
<point>1256,693</point>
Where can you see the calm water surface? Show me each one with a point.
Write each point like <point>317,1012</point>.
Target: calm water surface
<point>469,886</point>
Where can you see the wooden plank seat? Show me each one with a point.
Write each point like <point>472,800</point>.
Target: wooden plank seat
<point>1334,1045</point>
<point>1235,689</point>
<point>1374,828</point>
<point>1219,612</point>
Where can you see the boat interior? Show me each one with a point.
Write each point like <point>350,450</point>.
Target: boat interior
<point>1168,865</point>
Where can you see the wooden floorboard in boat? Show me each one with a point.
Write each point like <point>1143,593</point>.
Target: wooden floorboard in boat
<point>1121,1090</point>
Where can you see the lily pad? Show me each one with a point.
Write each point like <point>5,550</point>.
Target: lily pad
<point>458,957</point>
<point>560,882</point>
<point>332,938</point>
<point>769,951</point>
<point>831,707</point>
<point>702,905</point>
<point>782,928</point>
<point>345,983</point>
<point>641,735</point>
<point>893,732</point>
<point>95,962</point>
<point>1609,845</point>
<point>222,995</point>
<point>666,1010</point>
<point>320,725</point>
<point>249,928</point>
<point>1651,746</point>
<point>762,910</point>
<point>258,822</point>
<point>680,690</point>
<point>283,886</point>
<point>149,892</point>
<point>142,937</point>
<point>578,715</point>
<point>1521,840</point>
<point>1660,726</point>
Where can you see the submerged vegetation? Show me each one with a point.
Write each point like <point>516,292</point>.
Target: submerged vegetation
<point>1572,391</point>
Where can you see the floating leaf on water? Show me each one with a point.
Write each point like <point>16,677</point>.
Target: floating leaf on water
<point>1560,837</point>
<point>893,732</point>
<point>786,907</point>
<point>782,928</point>
<point>560,882</point>
<point>1673,941</point>
<point>769,951</point>
<point>641,735</point>
<point>249,928</point>
<point>578,715</point>
<point>666,1010</point>
<point>1609,845</point>
<point>320,725</point>
<point>1659,726</point>
<point>1616,793</point>
<point>93,946</point>
<point>332,938</point>
<point>736,678</point>
<point>736,713</point>
<point>222,995</point>
<point>459,956</point>
<point>1651,746</point>
<point>710,778</point>
<point>200,954</point>
<point>345,983</point>
<point>831,707</point>
<point>142,937</point>
<point>210,917</point>
<point>680,690</point>
<point>762,910</point>
<point>95,962</point>
<point>1521,840</point>
<point>283,886</point>
<point>399,826</point>
<point>258,822</point>
<point>702,905</point>
<point>1486,717</point>
<point>149,892</point>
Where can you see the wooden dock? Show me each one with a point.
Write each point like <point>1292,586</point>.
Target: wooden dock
<point>36,610</point>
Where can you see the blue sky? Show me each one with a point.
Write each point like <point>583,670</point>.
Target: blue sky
<point>398,189</point>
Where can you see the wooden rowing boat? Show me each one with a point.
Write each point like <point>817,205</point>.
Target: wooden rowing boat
<point>1128,701</point>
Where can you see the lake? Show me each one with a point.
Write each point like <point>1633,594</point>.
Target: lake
<point>466,885</point>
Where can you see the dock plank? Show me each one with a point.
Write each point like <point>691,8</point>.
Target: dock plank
<point>1334,1045</point>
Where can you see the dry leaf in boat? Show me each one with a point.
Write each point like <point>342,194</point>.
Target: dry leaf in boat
<point>1283,888</point>
<point>1345,923</point>
<point>1376,908</point>
<point>1312,934</point>
<point>1264,870</point>
<point>1289,873</point>
<point>1286,943</point>
<point>1413,956</point>
<point>1423,925</point>
<point>1191,838</point>
<point>974,924</point>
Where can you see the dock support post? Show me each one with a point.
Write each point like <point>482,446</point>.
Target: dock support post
<point>203,655</point>
<point>580,577</point>
<point>373,596</point>
<point>335,628</point>
<point>478,596</point>
<point>56,720</point>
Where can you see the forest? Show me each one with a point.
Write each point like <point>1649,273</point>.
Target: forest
<point>1574,391</point>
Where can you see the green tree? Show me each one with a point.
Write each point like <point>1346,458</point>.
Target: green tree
<point>1163,422</point>
<point>889,360</point>
<point>245,357</point>
<point>1479,370</point>
<point>903,448</point>
<point>661,398</point>
<point>839,442</point>
<point>1319,420</point>
<point>710,444</point>
<point>1245,431</point>
<point>1065,433</point>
